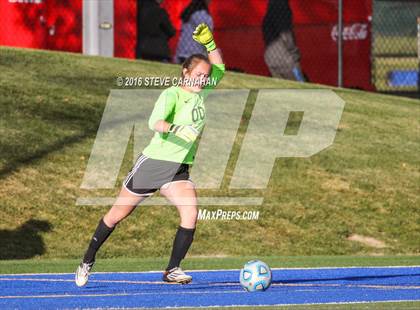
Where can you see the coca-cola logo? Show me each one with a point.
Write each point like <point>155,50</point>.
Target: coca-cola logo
<point>357,31</point>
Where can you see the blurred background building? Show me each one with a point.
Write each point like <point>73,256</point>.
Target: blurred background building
<point>362,44</point>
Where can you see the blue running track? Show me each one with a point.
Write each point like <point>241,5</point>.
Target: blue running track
<point>210,288</point>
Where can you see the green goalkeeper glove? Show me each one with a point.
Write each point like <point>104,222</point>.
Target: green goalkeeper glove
<point>187,133</point>
<point>202,34</point>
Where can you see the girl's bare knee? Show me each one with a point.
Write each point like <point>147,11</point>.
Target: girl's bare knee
<point>114,216</point>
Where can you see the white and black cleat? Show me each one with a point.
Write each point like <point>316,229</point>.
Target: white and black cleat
<point>176,275</point>
<point>82,273</point>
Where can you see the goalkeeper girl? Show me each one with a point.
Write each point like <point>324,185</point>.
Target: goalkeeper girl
<point>177,119</point>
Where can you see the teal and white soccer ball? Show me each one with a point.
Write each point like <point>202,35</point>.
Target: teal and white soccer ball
<point>255,276</point>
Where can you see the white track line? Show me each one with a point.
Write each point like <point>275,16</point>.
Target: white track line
<point>90,281</point>
<point>122,294</point>
<point>373,286</point>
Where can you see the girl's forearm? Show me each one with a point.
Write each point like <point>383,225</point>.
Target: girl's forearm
<point>215,57</point>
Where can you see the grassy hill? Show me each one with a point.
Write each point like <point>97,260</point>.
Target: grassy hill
<point>51,104</point>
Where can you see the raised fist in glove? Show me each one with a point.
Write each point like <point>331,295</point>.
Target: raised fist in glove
<point>202,34</point>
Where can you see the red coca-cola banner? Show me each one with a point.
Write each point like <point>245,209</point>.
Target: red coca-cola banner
<point>316,35</point>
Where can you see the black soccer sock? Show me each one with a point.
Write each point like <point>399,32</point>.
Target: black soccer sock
<point>182,242</point>
<point>99,237</point>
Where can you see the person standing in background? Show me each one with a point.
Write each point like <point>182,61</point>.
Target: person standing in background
<point>195,13</point>
<point>154,29</point>
<point>281,54</point>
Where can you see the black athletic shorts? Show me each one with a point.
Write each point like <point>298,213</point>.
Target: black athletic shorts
<point>148,175</point>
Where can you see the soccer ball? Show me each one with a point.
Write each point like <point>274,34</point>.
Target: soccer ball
<point>255,276</point>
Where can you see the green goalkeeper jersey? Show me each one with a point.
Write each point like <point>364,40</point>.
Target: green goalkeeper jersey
<point>178,106</point>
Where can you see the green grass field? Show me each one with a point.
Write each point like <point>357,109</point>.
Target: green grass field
<point>365,184</point>
<point>51,106</point>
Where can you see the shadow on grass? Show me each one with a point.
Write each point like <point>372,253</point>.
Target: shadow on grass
<point>25,241</point>
<point>89,130</point>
